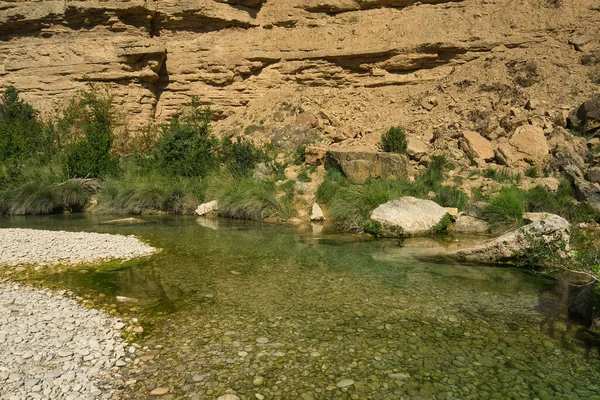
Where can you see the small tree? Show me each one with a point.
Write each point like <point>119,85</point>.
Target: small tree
<point>240,155</point>
<point>186,146</point>
<point>21,135</point>
<point>85,129</point>
<point>394,141</point>
<point>19,129</point>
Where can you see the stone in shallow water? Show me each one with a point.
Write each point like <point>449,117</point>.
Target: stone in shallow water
<point>344,383</point>
<point>258,381</point>
<point>399,376</point>
<point>160,391</point>
<point>228,397</point>
<point>262,340</point>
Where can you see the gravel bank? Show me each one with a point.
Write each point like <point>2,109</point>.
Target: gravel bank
<point>31,246</point>
<point>52,348</point>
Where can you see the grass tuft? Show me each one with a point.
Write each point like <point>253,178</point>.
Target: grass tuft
<point>505,210</point>
<point>137,192</point>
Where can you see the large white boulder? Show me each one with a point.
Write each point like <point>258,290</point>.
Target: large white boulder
<point>408,216</point>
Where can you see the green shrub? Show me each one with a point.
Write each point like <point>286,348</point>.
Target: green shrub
<point>300,154</point>
<point>351,206</point>
<point>90,157</point>
<point>240,155</point>
<point>373,227</point>
<point>85,133</point>
<point>539,199</point>
<point>432,177</point>
<point>394,141</point>
<point>303,175</point>
<point>186,147</point>
<point>247,198</point>
<point>505,210</point>
<point>23,139</point>
<point>443,225</point>
<point>334,180</point>
<point>19,127</point>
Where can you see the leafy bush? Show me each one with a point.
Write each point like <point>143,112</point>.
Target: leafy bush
<point>90,156</point>
<point>240,155</point>
<point>394,141</point>
<point>85,131</point>
<point>186,147</point>
<point>23,139</point>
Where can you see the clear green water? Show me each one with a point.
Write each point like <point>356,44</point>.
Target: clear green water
<point>332,308</point>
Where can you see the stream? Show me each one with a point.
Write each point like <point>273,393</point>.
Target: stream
<point>281,312</point>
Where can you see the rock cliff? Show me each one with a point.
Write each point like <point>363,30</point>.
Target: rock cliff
<point>436,67</point>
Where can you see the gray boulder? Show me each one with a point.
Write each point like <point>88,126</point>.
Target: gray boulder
<point>584,190</point>
<point>587,116</point>
<point>593,175</point>
<point>553,230</point>
<point>409,216</point>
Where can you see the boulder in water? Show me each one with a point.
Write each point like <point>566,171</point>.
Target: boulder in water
<point>552,230</point>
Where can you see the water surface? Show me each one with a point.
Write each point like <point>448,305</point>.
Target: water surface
<point>289,314</point>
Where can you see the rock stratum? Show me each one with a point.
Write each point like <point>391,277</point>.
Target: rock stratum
<point>354,67</point>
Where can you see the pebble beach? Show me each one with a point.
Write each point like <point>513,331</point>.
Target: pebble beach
<point>51,347</point>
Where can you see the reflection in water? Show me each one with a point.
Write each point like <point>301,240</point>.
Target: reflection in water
<point>333,308</point>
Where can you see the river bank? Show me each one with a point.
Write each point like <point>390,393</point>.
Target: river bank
<point>51,347</point>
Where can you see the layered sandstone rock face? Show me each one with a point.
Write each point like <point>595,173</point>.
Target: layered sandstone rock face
<point>356,67</point>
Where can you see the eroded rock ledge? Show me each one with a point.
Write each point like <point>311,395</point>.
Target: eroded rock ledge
<point>153,55</point>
